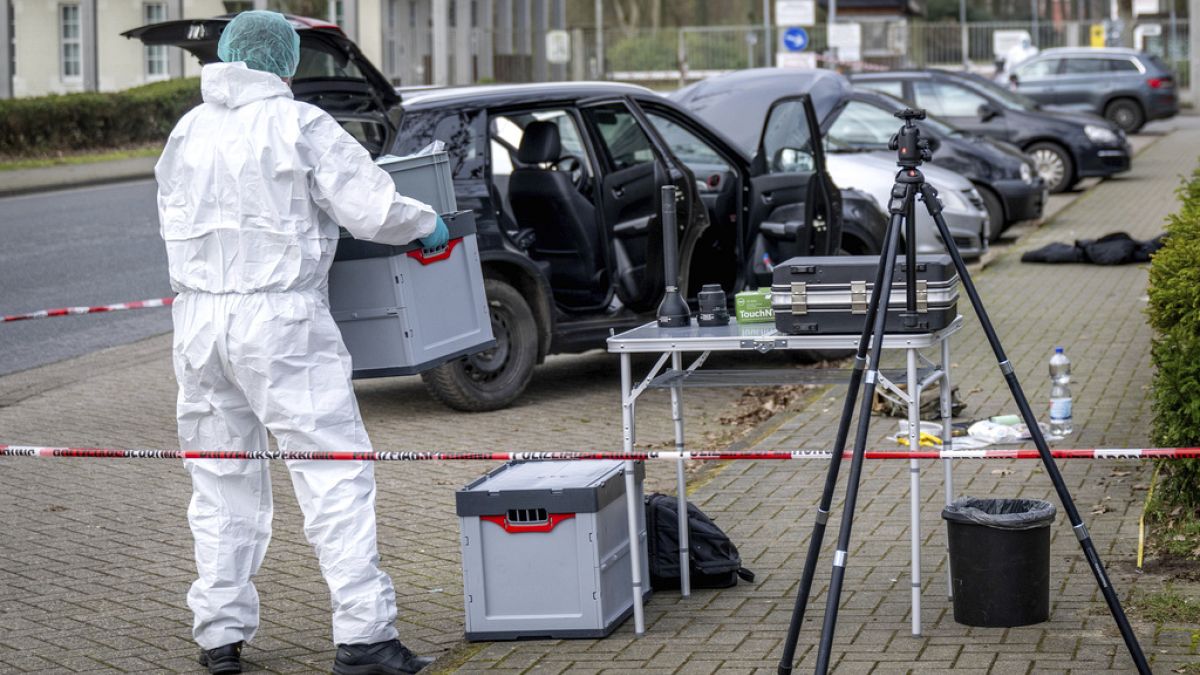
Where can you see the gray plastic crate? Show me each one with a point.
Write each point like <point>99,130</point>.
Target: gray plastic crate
<point>426,178</point>
<point>545,550</point>
<point>403,310</point>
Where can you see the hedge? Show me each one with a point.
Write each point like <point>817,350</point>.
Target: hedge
<point>47,125</point>
<point>1174,312</point>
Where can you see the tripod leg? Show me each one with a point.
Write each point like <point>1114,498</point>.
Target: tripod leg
<point>815,541</point>
<point>884,289</point>
<point>947,404</point>
<point>1060,486</point>
<point>914,487</point>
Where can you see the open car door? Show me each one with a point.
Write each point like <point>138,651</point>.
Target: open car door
<point>795,208</point>
<point>636,167</point>
<point>332,74</point>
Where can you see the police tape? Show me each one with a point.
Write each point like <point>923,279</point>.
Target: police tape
<point>698,455</point>
<point>96,309</point>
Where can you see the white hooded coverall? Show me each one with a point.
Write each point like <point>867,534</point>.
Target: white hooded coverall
<point>251,187</point>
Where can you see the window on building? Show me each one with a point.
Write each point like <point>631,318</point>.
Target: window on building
<point>70,43</point>
<point>156,55</point>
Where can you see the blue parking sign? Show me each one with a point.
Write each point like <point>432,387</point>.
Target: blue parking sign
<point>795,39</point>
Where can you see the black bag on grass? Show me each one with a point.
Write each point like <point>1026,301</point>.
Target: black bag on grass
<point>715,562</point>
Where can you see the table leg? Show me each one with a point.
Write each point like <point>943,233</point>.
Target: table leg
<point>685,572</point>
<point>631,493</point>
<point>947,443</point>
<point>914,489</point>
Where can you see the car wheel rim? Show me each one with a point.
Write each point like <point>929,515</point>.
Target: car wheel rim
<point>489,364</point>
<point>1049,166</point>
<point>1123,117</point>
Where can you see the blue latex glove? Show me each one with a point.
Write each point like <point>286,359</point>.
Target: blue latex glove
<point>439,236</point>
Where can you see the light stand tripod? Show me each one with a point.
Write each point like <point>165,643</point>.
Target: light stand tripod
<point>912,151</point>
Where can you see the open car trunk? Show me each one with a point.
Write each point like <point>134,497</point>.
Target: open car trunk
<point>332,74</point>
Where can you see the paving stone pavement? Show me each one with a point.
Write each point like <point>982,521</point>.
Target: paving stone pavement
<point>95,557</point>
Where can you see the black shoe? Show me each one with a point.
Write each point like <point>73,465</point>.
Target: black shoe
<point>223,659</point>
<point>380,658</point>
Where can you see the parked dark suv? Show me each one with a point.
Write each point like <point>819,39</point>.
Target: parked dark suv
<point>1065,146</point>
<point>564,180</point>
<point>1126,86</point>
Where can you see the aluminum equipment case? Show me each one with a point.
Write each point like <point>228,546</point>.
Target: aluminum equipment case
<point>545,550</point>
<point>829,295</point>
<point>403,310</point>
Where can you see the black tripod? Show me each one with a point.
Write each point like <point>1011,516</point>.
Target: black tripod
<point>912,152</point>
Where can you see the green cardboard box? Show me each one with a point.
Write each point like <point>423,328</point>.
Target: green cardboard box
<point>754,306</point>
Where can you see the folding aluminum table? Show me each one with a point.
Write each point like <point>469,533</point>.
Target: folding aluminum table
<point>672,343</point>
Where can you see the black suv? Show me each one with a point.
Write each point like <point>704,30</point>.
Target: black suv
<point>565,180</point>
<point>1064,146</point>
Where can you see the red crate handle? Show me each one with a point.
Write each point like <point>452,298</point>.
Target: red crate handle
<point>419,254</point>
<point>515,528</point>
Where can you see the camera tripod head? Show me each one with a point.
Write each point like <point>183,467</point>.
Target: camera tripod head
<point>911,148</point>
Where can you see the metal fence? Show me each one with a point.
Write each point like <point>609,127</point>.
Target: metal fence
<point>670,57</point>
<point>674,55</point>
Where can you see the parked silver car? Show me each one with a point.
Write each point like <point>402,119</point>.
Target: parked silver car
<point>1126,86</point>
<point>964,210</point>
<point>739,103</point>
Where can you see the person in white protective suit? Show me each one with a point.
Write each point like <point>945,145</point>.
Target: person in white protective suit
<point>252,186</point>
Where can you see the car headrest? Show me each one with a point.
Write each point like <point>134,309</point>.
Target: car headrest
<point>540,143</point>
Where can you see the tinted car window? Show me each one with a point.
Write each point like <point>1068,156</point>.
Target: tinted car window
<point>1122,66</point>
<point>861,125</point>
<point>786,140</point>
<point>623,138</point>
<point>699,156</point>
<point>947,100</point>
<point>1156,62</point>
<point>1037,69</point>
<point>1085,66</point>
<point>462,132</point>
<point>508,130</point>
<point>1004,96</point>
<point>315,63</point>
<point>894,88</point>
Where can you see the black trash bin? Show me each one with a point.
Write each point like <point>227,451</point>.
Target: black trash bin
<point>1000,560</point>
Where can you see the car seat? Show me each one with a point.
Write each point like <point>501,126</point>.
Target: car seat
<point>563,220</point>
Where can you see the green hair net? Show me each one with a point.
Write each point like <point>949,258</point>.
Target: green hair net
<point>264,40</point>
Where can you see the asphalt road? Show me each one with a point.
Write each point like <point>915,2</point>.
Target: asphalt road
<point>86,246</point>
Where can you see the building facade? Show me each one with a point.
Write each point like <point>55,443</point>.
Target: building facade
<point>65,46</point>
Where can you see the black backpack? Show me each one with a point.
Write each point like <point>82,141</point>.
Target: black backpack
<point>715,562</point>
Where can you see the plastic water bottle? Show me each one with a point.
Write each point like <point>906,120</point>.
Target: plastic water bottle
<point>1060,393</point>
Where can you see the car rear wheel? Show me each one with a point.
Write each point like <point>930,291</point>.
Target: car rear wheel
<point>1053,164</point>
<point>1125,113</point>
<point>995,211</point>
<point>494,378</point>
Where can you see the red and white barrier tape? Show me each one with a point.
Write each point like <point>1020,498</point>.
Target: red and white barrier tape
<point>389,456</point>
<point>98,309</point>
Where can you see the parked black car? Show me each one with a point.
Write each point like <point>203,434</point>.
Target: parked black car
<point>564,180</point>
<point>1127,87</point>
<point>1064,146</point>
<point>1005,177</point>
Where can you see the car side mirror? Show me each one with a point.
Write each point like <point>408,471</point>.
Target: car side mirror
<point>793,160</point>
<point>987,112</point>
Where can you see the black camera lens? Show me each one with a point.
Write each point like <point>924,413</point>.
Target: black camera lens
<point>713,309</point>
